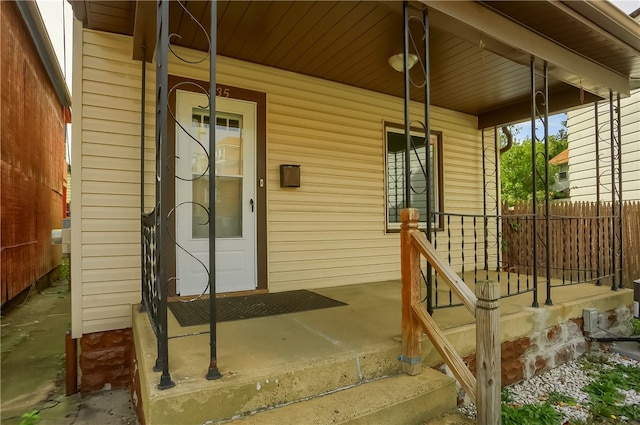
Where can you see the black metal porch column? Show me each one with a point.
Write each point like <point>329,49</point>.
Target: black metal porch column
<point>614,268</point>
<point>427,127</point>
<point>618,142</point>
<point>143,96</point>
<point>407,105</point>
<point>615,129</point>
<point>543,115</point>
<point>143,100</point>
<point>428,169</point>
<point>164,203</point>
<point>213,372</point>
<point>496,158</point>
<point>491,195</point>
<point>547,209</point>
<point>485,222</point>
<point>534,176</point>
<point>597,160</point>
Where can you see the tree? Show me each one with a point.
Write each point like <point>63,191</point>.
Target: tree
<point>516,171</point>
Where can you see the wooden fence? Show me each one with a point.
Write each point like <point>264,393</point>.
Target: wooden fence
<point>580,237</point>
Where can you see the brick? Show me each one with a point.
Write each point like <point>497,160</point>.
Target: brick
<point>521,346</point>
<point>579,321</point>
<point>554,334</point>
<point>541,364</point>
<point>564,354</point>
<point>106,358</point>
<point>507,351</point>
<point>512,372</point>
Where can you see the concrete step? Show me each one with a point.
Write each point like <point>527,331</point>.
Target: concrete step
<point>452,418</point>
<point>399,399</point>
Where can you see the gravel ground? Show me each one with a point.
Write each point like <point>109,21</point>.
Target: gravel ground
<point>568,379</point>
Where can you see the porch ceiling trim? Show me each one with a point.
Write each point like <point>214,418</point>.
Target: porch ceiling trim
<point>622,35</point>
<point>612,19</point>
<point>475,23</point>
<point>560,100</point>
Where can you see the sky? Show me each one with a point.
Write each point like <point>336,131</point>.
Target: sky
<point>523,130</point>
<point>53,17</point>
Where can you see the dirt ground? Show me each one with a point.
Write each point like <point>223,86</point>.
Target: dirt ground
<point>32,368</point>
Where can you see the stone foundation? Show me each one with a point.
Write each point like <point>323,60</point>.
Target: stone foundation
<point>543,350</point>
<point>616,321</point>
<point>106,360</point>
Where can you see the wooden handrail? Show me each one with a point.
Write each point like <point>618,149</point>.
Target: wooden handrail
<point>447,351</point>
<point>445,271</point>
<point>484,388</point>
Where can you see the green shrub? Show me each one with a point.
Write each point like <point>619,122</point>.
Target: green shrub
<point>30,418</point>
<point>532,414</point>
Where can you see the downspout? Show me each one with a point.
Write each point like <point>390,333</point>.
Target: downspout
<point>509,136</point>
<point>143,102</point>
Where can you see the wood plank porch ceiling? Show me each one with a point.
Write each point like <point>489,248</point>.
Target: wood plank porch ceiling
<point>350,42</point>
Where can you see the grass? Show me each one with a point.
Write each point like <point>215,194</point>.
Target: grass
<point>538,413</point>
<point>606,401</point>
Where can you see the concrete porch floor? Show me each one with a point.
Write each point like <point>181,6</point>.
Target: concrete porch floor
<point>280,359</point>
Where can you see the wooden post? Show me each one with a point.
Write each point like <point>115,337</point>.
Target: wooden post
<point>71,365</point>
<point>488,354</point>
<point>410,267</point>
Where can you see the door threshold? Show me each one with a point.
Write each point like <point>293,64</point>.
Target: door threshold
<point>220,295</point>
<point>242,293</point>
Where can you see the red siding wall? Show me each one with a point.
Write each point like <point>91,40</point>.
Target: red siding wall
<point>32,160</point>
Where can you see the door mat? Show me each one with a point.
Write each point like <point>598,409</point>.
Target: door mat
<point>250,306</point>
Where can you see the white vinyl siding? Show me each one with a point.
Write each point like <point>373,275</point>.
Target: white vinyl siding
<point>328,232</point>
<point>582,155</point>
<point>108,190</point>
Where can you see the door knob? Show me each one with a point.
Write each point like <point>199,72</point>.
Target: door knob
<point>251,203</point>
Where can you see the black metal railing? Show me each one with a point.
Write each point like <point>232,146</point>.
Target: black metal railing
<point>577,253</point>
<point>150,298</point>
<point>152,301</point>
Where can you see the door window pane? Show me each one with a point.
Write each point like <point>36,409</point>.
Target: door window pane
<point>228,145</point>
<point>229,168</point>
<point>228,207</point>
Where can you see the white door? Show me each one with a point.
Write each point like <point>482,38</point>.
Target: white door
<point>235,194</point>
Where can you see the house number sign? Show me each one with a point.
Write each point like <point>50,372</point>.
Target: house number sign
<point>223,91</point>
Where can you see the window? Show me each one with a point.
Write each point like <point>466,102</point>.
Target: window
<point>563,172</point>
<point>396,147</point>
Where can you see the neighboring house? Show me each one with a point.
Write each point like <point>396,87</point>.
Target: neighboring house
<point>35,109</point>
<point>562,181</point>
<point>308,84</point>
<point>581,136</point>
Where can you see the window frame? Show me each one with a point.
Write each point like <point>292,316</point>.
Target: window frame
<point>438,223</point>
